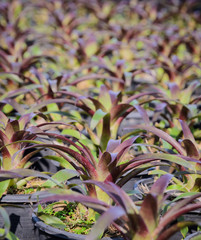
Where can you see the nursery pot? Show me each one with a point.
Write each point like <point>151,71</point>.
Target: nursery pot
<point>47,232</point>
<point>142,187</point>
<point>19,208</point>
<point>196,236</point>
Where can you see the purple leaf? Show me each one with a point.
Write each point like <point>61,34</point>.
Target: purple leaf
<point>105,220</point>
<point>49,101</point>
<point>177,213</point>
<point>104,163</point>
<point>17,136</point>
<point>8,174</point>
<point>114,97</point>
<point>186,131</point>
<point>162,135</point>
<point>161,184</point>
<point>166,234</point>
<point>25,119</point>
<point>78,157</point>
<point>98,105</point>
<point>130,99</point>
<point>191,149</point>
<point>125,144</point>
<point>96,76</point>
<point>112,145</point>
<point>183,203</point>
<point>119,110</point>
<point>149,211</point>
<point>143,114</point>
<point>76,197</point>
<point>117,194</point>
<point>15,105</point>
<point>174,90</point>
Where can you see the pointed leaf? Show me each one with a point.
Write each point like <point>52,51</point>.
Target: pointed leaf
<point>25,119</point>
<point>166,234</point>
<point>119,110</point>
<point>104,221</point>
<point>186,131</point>
<point>114,96</point>
<point>6,222</point>
<point>4,186</point>
<point>174,89</point>
<point>175,213</point>
<point>149,211</point>
<point>6,159</point>
<point>118,195</point>
<point>45,103</point>
<point>162,135</point>
<point>52,221</point>
<point>183,203</point>
<point>106,132</point>
<point>104,98</point>
<point>98,115</point>
<point>3,119</point>
<point>103,165</point>
<point>125,144</point>
<point>112,145</point>
<point>191,149</point>
<point>96,76</point>
<point>60,176</point>
<point>143,114</point>
<point>161,184</point>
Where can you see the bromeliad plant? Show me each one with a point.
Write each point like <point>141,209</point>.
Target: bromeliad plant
<point>112,164</point>
<point>107,112</point>
<point>15,136</point>
<point>106,166</point>
<point>148,221</point>
<point>188,177</point>
<point>12,131</point>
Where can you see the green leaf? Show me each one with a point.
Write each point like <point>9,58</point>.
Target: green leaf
<point>61,176</point>
<point>98,115</point>
<point>61,160</point>
<point>149,211</point>
<point>9,236</point>
<point>6,221</point>
<point>51,108</point>
<point>169,157</point>
<point>71,132</point>
<point>3,187</point>
<point>11,76</point>
<point>52,221</point>
<point>7,108</point>
<point>184,231</point>
<point>104,221</point>
<point>105,137</point>
<point>161,172</point>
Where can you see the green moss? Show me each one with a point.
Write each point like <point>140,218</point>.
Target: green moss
<point>72,215</point>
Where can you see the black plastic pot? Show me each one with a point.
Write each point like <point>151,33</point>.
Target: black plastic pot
<point>46,232</point>
<point>142,187</point>
<point>196,235</point>
<point>44,165</point>
<point>19,208</point>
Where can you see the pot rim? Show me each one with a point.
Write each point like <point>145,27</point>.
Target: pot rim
<point>24,198</point>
